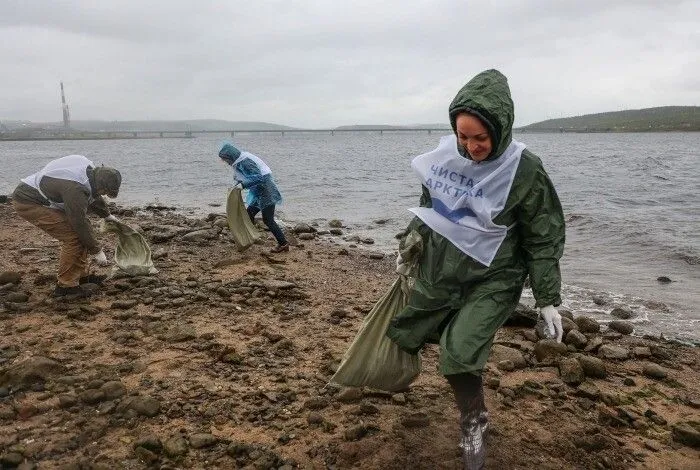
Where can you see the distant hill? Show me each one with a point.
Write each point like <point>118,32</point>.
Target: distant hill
<point>662,119</point>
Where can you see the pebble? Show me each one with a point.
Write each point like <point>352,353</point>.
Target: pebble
<point>549,349</point>
<point>587,324</point>
<point>653,446</point>
<point>17,297</point>
<point>570,371</point>
<point>506,365</point>
<point>202,440</point>
<point>687,433</point>
<point>621,326</point>
<point>576,338</point>
<point>349,395</point>
<point>654,371</point>
<point>415,420</point>
<point>10,277</point>
<point>399,398</point>
<point>613,352</point>
<point>355,433</point>
<point>592,366</point>
<point>622,312</point>
<point>175,446</point>
<point>500,353</point>
<point>641,351</point>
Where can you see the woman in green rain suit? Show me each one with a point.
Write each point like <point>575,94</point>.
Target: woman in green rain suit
<point>489,218</point>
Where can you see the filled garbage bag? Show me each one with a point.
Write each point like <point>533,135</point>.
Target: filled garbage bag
<point>242,229</point>
<point>133,254</point>
<point>373,360</point>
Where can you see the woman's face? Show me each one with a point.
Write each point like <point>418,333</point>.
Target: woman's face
<point>473,136</point>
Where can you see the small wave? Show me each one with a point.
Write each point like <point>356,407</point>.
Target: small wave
<point>692,260</point>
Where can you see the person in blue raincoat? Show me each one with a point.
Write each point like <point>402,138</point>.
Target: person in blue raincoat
<point>253,174</point>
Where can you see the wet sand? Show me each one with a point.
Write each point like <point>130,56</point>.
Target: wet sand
<point>222,360</point>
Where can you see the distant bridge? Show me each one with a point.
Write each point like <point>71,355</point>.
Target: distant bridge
<point>183,134</point>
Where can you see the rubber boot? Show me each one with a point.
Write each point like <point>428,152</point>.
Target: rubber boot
<point>473,422</point>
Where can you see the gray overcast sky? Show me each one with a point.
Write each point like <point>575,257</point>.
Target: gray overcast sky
<point>322,63</point>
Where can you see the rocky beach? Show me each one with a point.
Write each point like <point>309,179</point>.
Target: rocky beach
<point>223,360</point>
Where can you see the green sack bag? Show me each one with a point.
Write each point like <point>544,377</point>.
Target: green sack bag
<point>373,360</point>
<point>133,254</point>
<point>242,229</point>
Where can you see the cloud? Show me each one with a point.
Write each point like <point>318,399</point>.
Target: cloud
<point>319,64</point>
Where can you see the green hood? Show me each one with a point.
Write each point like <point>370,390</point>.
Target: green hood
<point>487,96</point>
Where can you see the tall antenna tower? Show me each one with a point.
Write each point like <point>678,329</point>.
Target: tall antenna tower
<point>66,111</point>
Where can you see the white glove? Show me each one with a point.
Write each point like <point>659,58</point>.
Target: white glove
<point>101,259</point>
<point>402,267</point>
<point>112,218</point>
<point>552,319</point>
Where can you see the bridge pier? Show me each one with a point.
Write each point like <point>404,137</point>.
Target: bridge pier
<point>161,135</point>
<point>232,133</point>
<point>332,132</point>
<point>135,134</point>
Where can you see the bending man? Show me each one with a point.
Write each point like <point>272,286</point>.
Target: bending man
<point>56,199</point>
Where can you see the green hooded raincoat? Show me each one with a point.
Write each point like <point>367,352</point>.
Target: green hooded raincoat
<point>459,302</point>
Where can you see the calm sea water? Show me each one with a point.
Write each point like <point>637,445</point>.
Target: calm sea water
<point>632,200</point>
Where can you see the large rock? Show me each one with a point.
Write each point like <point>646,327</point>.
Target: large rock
<point>202,440</point>
<point>303,228</point>
<point>36,369</point>
<point>593,344</point>
<point>571,371</point>
<point>150,442</point>
<point>592,366</point>
<point>549,349</point>
<point>201,235</point>
<point>567,325</point>
<point>523,316</point>
<point>142,405</point>
<point>621,326</point>
<point>349,395</point>
<point>587,325</point>
<point>654,371</point>
<point>175,446</point>
<point>180,333</point>
<point>504,353</point>
<point>625,313</point>
<point>576,338</point>
<point>609,351</point>
<point>687,433</point>
<point>113,389</point>
<point>588,390</point>
<point>10,277</point>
